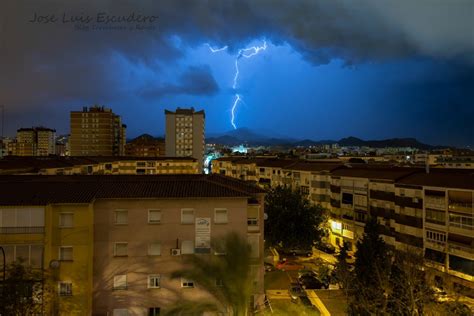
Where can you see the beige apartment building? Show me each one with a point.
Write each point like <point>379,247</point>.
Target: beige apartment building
<point>110,244</point>
<point>96,131</point>
<point>185,134</point>
<point>55,165</point>
<point>429,211</point>
<point>35,141</point>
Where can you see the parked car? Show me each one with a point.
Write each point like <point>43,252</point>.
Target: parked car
<point>289,266</point>
<point>311,282</point>
<point>295,290</point>
<point>307,272</point>
<point>268,267</point>
<point>328,248</point>
<point>296,252</point>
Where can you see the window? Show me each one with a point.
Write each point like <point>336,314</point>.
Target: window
<point>254,242</point>
<point>347,198</point>
<point>120,282</point>
<point>65,253</point>
<point>187,247</point>
<point>187,216</point>
<point>154,311</point>
<point>219,248</point>
<point>187,283</point>
<point>154,249</point>
<point>121,217</point>
<point>252,216</point>
<point>219,283</point>
<point>121,249</point>
<point>154,281</point>
<point>154,216</point>
<point>66,219</point>
<point>121,312</point>
<point>220,216</point>
<point>65,289</point>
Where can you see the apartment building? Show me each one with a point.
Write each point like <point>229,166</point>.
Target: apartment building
<point>98,165</point>
<point>185,134</point>
<point>35,141</point>
<point>110,244</point>
<point>96,131</point>
<point>145,146</point>
<point>429,211</point>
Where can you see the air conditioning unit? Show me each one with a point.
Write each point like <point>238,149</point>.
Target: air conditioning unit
<point>175,252</point>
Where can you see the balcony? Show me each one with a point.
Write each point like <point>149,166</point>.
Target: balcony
<point>22,230</point>
<point>460,249</point>
<point>460,207</point>
<point>436,245</point>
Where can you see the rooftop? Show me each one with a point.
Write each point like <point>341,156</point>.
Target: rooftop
<point>43,190</point>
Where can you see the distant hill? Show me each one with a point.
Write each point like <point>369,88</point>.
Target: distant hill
<point>252,138</point>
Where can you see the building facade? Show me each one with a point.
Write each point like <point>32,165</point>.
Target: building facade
<point>108,245</point>
<point>98,165</point>
<point>145,146</point>
<point>430,212</point>
<point>185,134</point>
<point>35,141</point>
<point>96,131</point>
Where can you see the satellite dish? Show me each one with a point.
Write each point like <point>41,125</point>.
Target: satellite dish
<point>54,264</point>
<point>265,216</point>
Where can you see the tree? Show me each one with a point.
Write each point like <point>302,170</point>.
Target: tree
<point>342,270</point>
<point>227,278</point>
<point>23,290</point>
<point>293,221</point>
<point>410,292</point>
<point>372,271</point>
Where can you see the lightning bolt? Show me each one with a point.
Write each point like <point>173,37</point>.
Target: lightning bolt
<point>247,52</point>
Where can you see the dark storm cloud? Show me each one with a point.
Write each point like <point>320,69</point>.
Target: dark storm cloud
<point>43,65</point>
<point>194,81</point>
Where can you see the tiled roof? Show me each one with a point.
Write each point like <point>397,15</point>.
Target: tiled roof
<point>42,190</point>
<point>314,166</point>
<point>386,173</point>
<point>443,178</point>
<point>276,163</point>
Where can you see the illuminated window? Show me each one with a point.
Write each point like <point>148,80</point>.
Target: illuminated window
<point>154,281</point>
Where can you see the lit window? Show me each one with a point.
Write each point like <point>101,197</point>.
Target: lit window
<point>65,289</point>
<point>154,281</point>
<point>120,282</point>
<point>187,216</point>
<point>154,216</point>
<point>121,249</point>
<point>65,253</point>
<point>66,219</point>
<point>121,217</point>
<point>220,216</point>
<point>154,249</point>
<point>187,283</point>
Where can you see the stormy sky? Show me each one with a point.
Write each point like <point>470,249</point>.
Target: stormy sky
<point>331,69</point>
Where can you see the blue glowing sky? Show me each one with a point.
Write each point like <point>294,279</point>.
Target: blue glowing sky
<point>318,78</point>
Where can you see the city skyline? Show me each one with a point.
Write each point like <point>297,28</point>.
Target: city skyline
<point>328,71</point>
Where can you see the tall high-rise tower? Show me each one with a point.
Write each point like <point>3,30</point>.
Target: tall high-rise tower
<point>96,131</point>
<point>185,134</point>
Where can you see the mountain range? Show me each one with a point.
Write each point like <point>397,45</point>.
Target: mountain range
<point>254,138</point>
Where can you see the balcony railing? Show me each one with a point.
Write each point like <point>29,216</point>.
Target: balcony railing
<point>22,230</point>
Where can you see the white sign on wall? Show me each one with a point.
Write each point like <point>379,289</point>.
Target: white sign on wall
<point>203,234</point>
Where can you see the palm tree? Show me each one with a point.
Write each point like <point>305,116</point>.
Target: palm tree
<point>227,278</point>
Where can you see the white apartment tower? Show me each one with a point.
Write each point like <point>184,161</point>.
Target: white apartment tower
<point>185,134</point>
